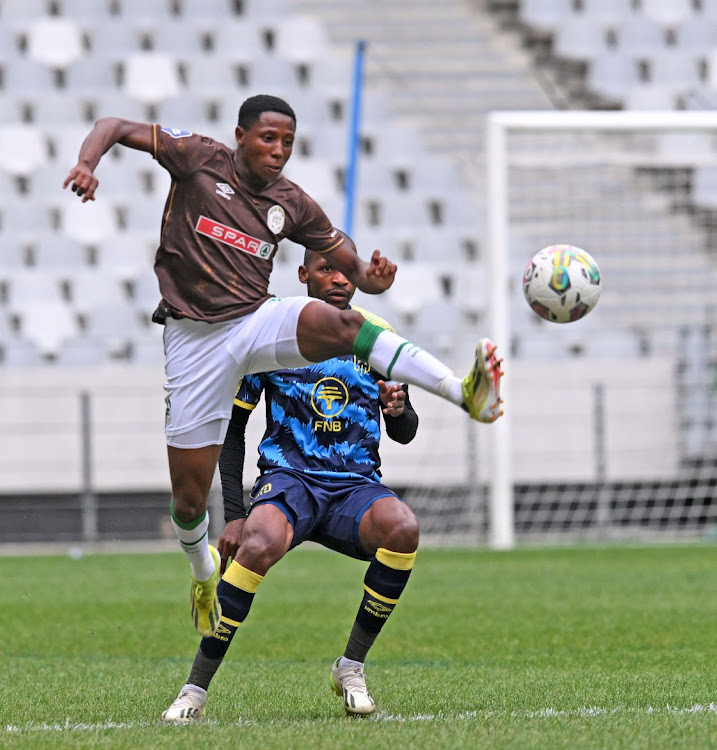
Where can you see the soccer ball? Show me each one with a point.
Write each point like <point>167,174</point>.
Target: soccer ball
<point>562,283</point>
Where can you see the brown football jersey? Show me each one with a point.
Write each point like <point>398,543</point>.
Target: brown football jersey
<point>218,237</point>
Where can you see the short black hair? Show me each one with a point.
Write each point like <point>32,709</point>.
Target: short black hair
<point>309,254</point>
<point>253,108</point>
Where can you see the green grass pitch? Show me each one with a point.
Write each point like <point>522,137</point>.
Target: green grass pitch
<point>588,647</point>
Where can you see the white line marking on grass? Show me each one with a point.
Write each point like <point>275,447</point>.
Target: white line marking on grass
<point>543,713</point>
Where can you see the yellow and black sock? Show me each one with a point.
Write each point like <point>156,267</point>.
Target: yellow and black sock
<point>385,580</point>
<point>236,593</point>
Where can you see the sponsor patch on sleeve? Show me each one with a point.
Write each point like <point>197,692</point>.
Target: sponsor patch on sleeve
<point>177,132</point>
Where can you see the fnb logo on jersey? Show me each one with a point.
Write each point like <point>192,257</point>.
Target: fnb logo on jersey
<point>233,237</point>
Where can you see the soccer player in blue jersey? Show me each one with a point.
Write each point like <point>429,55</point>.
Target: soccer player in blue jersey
<point>319,481</point>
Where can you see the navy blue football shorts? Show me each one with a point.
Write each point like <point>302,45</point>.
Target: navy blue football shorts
<point>319,510</point>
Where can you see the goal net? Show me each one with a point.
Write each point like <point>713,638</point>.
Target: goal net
<point>610,428</point>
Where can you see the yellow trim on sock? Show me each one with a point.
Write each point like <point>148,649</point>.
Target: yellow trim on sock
<point>242,578</point>
<point>381,598</point>
<point>395,560</point>
<point>233,623</point>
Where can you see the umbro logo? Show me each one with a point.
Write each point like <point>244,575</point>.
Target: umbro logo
<point>224,190</point>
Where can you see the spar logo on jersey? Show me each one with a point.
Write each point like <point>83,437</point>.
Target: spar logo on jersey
<point>234,238</point>
<point>176,132</point>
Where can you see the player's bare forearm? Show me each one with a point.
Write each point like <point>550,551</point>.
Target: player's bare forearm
<point>106,133</point>
<point>372,277</point>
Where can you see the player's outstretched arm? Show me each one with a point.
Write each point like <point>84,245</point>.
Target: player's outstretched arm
<point>372,277</point>
<point>106,133</point>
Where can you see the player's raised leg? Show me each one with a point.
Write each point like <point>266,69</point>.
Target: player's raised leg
<point>388,529</point>
<point>324,332</point>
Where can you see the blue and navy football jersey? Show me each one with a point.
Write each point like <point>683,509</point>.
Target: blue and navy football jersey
<point>324,419</point>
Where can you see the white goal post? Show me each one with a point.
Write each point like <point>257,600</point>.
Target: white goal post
<point>631,188</point>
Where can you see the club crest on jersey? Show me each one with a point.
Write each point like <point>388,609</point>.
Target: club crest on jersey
<point>176,132</point>
<point>329,397</point>
<point>234,238</point>
<point>275,219</point>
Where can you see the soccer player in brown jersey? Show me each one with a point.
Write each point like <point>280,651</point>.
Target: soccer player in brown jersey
<point>226,212</point>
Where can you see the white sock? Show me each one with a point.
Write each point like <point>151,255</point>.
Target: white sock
<point>195,544</point>
<point>400,360</point>
<point>344,662</point>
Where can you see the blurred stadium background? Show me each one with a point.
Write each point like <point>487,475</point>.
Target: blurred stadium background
<point>612,420</point>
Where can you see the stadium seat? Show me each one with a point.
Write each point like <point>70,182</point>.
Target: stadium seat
<point>11,110</point>
<point>20,351</point>
<point>316,176</point>
<point>667,12</point>
<point>238,41</point>
<point>27,77</point>
<point>333,75</point>
<point>48,325</point>
<point>91,288</point>
<point>639,37</point>
<point>177,38</point>
<point>92,76</point>
<point>187,112</point>
<point>151,77</point>
<point>31,286</point>
<point>677,69</point>
<point>56,42</point>
<point>416,285</point>
<point>90,222</point>
<point>613,74</point>
<point>55,251</point>
<point>140,14</point>
<point>24,216</point>
<point>114,324</point>
<point>18,14</point>
<point>606,12</point>
<point>696,35</point>
<point>114,40</point>
<point>89,13</point>
<point>58,108</point>
<point>545,15</point>
<point>210,78</point>
<point>266,10</point>
<point>645,96</point>
<point>438,327</point>
<point>13,256</point>
<point>127,255</point>
<point>205,12</point>
<point>704,191</point>
<point>579,38</point>
<point>8,44</point>
<point>82,351</point>
<point>23,148</point>
<point>146,348</point>
<point>272,75</point>
<point>145,292</point>
<point>301,39</point>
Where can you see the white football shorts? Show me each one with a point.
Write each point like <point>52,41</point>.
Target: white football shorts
<point>204,363</point>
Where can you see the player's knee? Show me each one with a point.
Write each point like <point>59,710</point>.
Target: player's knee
<point>393,526</point>
<point>259,550</point>
<point>188,501</point>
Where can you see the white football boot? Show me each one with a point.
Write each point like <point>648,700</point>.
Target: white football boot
<point>188,706</point>
<point>349,681</point>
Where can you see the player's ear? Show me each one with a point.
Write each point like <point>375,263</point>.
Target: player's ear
<point>303,275</point>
